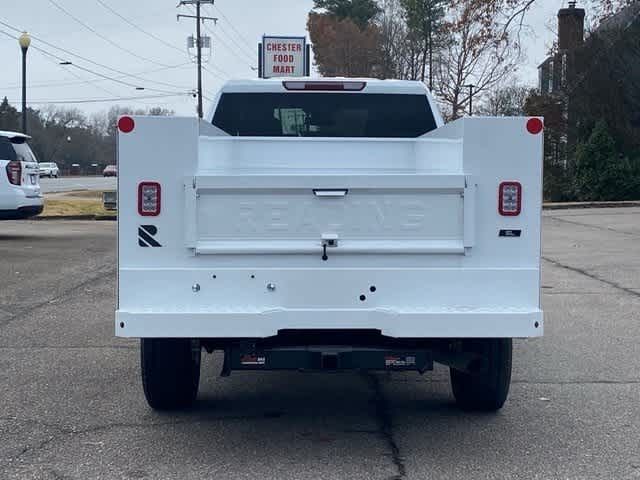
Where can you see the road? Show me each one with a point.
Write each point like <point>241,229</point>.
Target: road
<point>68,184</point>
<point>72,405</point>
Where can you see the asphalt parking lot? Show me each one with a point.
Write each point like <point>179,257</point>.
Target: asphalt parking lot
<point>69,184</point>
<point>72,405</point>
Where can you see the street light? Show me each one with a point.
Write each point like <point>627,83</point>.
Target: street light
<point>470,86</point>
<point>25,42</point>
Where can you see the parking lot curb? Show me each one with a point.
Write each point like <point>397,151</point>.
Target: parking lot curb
<point>78,217</point>
<point>569,205</point>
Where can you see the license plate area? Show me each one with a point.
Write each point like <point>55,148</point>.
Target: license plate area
<point>239,358</point>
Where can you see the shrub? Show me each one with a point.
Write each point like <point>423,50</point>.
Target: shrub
<point>602,173</point>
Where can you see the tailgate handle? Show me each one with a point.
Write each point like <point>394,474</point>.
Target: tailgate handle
<point>330,193</point>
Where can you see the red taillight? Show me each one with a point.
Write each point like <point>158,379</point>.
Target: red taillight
<point>510,199</point>
<point>325,86</point>
<point>149,199</point>
<point>14,173</point>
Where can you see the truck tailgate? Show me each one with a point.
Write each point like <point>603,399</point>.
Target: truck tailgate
<point>347,214</point>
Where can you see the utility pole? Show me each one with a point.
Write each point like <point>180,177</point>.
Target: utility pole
<point>199,20</point>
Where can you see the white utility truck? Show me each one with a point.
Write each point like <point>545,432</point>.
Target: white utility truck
<point>326,225</point>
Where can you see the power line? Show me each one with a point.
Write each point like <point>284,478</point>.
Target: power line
<point>222,72</point>
<point>99,35</point>
<point>240,35</point>
<point>139,28</point>
<point>243,48</point>
<point>88,82</point>
<point>93,83</point>
<point>214,74</point>
<point>225,44</point>
<point>106,77</point>
<point>88,60</point>
<point>96,100</point>
<point>81,81</point>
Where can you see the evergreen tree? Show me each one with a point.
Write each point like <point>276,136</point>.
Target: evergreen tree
<point>602,172</point>
<point>9,117</point>
<point>424,19</point>
<point>360,12</point>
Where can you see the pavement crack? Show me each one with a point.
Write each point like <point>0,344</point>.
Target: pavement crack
<point>62,432</point>
<point>101,273</point>
<point>597,227</point>
<point>385,424</point>
<point>592,276</point>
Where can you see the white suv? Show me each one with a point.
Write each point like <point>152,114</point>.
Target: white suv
<point>50,170</point>
<point>20,195</point>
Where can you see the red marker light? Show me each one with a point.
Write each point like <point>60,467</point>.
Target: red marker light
<point>534,126</point>
<point>126,124</point>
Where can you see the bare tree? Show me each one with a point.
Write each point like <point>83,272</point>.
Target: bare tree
<point>483,49</point>
<point>603,9</point>
<point>506,100</point>
<point>392,40</point>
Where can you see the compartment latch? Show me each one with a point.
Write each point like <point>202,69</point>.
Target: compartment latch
<point>329,240</point>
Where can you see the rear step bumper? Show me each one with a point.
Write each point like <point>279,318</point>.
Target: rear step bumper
<point>247,358</point>
<point>497,322</point>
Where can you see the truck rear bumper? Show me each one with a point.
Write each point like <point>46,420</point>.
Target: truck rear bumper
<point>441,323</point>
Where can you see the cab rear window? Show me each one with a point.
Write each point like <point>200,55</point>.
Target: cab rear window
<point>307,114</point>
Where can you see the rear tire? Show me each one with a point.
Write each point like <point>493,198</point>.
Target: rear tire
<point>486,391</point>
<point>170,372</point>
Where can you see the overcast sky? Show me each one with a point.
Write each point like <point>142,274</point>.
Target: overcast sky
<point>122,47</point>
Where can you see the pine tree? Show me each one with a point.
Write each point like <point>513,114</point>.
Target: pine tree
<point>602,172</point>
<point>9,117</point>
<point>360,12</point>
<point>424,19</point>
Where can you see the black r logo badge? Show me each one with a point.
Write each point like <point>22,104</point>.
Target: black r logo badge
<point>146,234</point>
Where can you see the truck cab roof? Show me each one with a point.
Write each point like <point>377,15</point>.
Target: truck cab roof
<point>371,85</point>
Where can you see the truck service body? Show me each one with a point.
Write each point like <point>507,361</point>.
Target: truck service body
<point>329,224</point>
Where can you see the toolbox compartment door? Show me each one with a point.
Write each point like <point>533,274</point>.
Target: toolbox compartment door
<point>342,214</point>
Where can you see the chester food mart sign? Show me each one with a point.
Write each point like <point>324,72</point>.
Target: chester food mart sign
<point>284,57</point>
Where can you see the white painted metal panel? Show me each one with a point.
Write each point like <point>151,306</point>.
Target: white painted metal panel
<point>426,287</point>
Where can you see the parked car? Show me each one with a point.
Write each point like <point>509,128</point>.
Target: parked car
<point>20,195</point>
<point>110,171</point>
<point>49,169</point>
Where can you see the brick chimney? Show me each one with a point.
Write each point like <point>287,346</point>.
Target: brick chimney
<point>570,27</point>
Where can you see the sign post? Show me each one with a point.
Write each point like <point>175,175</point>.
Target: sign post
<point>283,57</point>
